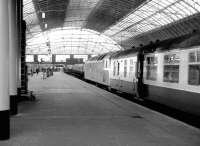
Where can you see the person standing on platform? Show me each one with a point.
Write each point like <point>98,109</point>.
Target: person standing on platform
<point>44,73</point>
<point>37,70</point>
<point>31,72</point>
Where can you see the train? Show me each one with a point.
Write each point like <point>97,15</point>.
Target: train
<point>169,76</point>
<point>76,69</point>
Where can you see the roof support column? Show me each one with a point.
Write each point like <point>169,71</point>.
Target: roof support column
<point>89,56</point>
<point>19,23</point>
<point>72,59</point>
<point>24,75</point>
<point>35,58</point>
<point>53,58</point>
<point>4,71</point>
<point>13,48</point>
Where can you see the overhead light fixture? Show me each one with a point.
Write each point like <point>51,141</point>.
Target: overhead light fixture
<point>45,25</point>
<point>43,15</point>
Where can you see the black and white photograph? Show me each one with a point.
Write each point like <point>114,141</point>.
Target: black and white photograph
<point>99,72</point>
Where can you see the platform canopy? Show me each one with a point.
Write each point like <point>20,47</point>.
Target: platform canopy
<point>128,22</point>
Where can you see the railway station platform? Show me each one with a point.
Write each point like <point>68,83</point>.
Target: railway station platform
<point>71,112</point>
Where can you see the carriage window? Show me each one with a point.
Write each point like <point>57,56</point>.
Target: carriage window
<point>171,68</point>
<point>131,68</point>
<point>125,68</point>
<point>194,74</point>
<point>198,56</point>
<point>151,67</point>
<point>192,57</point>
<point>171,73</point>
<point>131,62</point>
<point>194,68</point>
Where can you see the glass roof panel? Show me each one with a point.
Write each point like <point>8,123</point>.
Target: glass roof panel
<point>150,15</point>
<point>187,8</point>
<point>194,4</point>
<point>31,18</point>
<point>78,11</point>
<point>71,41</point>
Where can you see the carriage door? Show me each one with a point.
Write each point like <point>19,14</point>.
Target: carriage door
<point>132,74</point>
<point>139,74</point>
<point>118,75</point>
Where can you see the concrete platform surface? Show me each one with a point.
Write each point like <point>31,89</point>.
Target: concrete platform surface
<point>70,112</point>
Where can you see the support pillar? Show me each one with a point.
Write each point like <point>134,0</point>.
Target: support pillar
<point>53,58</point>
<point>35,58</point>
<point>24,75</point>
<point>19,23</point>
<point>89,56</point>
<point>4,72</point>
<point>71,56</point>
<point>72,59</point>
<point>12,57</point>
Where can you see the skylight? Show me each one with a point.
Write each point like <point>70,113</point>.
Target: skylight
<point>150,15</point>
<point>31,18</point>
<point>70,41</point>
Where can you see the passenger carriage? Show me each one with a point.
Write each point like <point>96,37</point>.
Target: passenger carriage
<point>173,78</point>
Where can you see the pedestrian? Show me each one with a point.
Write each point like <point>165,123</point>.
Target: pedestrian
<point>31,72</point>
<point>37,70</point>
<point>44,73</point>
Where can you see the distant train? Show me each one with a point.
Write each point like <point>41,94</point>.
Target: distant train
<point>76,69</point>
<point>170,77</point>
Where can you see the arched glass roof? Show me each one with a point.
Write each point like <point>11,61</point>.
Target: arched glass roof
<point>70,40</point>
<point>150,15</point>
<point>124,21</point>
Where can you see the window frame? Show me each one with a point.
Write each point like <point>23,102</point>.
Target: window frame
<point>150,65</point>
<point>172,62</point>
<point>193,63</point>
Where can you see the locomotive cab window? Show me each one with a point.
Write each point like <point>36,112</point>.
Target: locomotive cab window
<point>151,68</point>
<point>194,68</point>
<point>171,68</point>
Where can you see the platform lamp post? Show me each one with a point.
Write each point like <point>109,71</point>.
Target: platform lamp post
<point>4,71</point>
